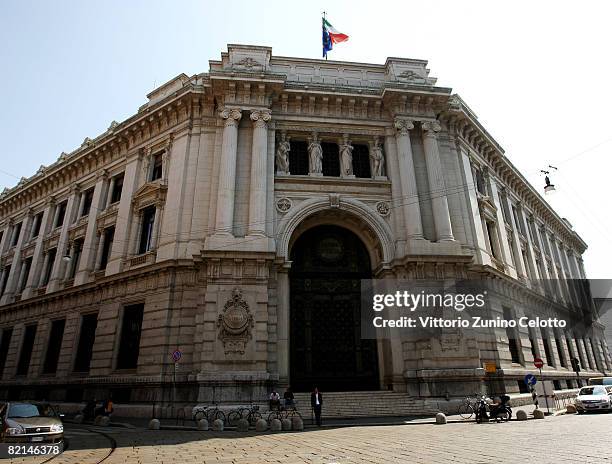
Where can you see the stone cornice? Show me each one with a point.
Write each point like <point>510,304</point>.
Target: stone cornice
<point>461,122</point>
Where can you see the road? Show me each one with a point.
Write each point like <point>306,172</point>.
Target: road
<point>563,439</point>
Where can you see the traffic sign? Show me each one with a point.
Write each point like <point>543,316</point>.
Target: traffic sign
<point>537,362</point>
<point>530,380</point>
<point>177,355</point>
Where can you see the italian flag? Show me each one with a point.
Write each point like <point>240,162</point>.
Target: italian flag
<point>334,35</point>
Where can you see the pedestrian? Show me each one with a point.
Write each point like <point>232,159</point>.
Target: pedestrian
<point>289,399</point>
<point>316,401</point>
<point>274,400</point>
<point>108,406</point>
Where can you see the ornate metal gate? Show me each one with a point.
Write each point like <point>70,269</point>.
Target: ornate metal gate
<point>326,347</point>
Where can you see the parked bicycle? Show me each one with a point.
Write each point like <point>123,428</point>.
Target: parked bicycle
<point>212,414</point>
<point>251,414</point>
<point>468,407</point>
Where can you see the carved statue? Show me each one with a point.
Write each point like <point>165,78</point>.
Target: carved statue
<point>346,157</point>
<point>282,155</point>
<point>377,158</point>
<point>315,155</point>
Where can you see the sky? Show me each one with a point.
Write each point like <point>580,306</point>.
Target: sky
<point>535,73</point>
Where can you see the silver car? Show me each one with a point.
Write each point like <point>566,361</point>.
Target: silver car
<point>593,398</point>
<point>30,423</point>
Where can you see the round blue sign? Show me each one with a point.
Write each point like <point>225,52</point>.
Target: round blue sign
<point>177,355</point>
<point>530,380</point>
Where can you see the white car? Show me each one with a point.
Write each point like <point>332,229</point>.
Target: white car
<point>593,398</point>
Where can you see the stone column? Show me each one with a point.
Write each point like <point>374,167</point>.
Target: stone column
<point>109,192</point>
<point>36,269</point>
<point>44,268</point>
<point>156,225</point>
<point>22,269</point>
<point>56,273</point>
<point>11,283</point>
<point>259,174</point>
<point>439,202</point>
<point>100,249</point>
<point>282,321</point>
<point>224,223</point>
<point>86,263</point>
<point>410,197</point>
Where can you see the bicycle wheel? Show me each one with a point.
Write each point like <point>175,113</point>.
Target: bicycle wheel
<point>292,414</point>
<point>466,411</point>
<point>274,415</point>
<point>199,415</point>
<point>233,417</point>
<point>254,416</point>
<point>219,415</point>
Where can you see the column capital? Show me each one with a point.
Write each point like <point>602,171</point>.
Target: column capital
<point>403,125</point>
<point>102,174</point>
<point>431,127</point>
<point>231,115</point>
<point>260,118</point>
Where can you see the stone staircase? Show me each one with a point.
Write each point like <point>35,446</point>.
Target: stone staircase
<point>367,404</point>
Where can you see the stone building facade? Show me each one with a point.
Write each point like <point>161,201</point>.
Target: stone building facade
<point>231,219</point>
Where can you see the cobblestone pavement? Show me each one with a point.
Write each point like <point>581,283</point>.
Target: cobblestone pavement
<point>565,439</point>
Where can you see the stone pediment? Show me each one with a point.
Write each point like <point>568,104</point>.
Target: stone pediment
<point>151,193</point>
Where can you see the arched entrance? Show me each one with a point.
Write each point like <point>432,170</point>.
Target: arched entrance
<point>326,349</point>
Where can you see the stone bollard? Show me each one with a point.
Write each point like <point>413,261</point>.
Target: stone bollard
<point>297,423</point>
<point>571,409</point>
<point>275,425</point>
<point>538,414</point>
<point>242,425</point>
<point>440,418</point>
<point>286,424</point>
<point>521,415</point>
<point>218,425</point>
<point>78,419</point>
<point>261,425</point>
<point>154,424</point>
<point>104,421</point>
<point>202,424</point>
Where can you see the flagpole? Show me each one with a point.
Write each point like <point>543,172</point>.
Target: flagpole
<point>323,25</point>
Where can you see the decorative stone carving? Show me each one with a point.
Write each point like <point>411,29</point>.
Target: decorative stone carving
<point>377,159</point>
<point>431,126</point>
<point>382,207</point>
<point>403,125</point>
<point>346,157</point>
<point>260,117</point>
<point>315,155</point>
<point>235,324</point>
<point>231,115</point>
<point>247,63</point>
<point>282,155</point>
<point>283,205</point>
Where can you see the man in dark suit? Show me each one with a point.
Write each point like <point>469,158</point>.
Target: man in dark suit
<point>316,401</point>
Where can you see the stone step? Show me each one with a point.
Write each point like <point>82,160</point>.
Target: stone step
<point>367,403</point>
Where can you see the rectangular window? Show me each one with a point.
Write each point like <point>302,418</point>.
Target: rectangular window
<point>1,237</point>
<point>298,158</point>
<point>520,226</point>
<point>513,340</point>
<point>61,213</point>
<point>547,351</point>
<point>533,341</point>
<point>505,211</point>
<point>109,235</point>
<point>146,230</point>
<point>129,343</point>
<point>47,271</point>
<point>77,251</point>
<point>26,350</point>
<point>480,182</point>
<point>331,159</point>
<point>87,199</point>
<point>87,337</point>
<point>491,231</point>
<point>361,161</point>
<point>156,169</point>
<point>54,347</point>
<point>5,276</point>
<point>36,225</point>
<point>560,352</point>
<point>26,274</point>
<point>5,343</point>
<point>16,234</point>
<point>117,188</point>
